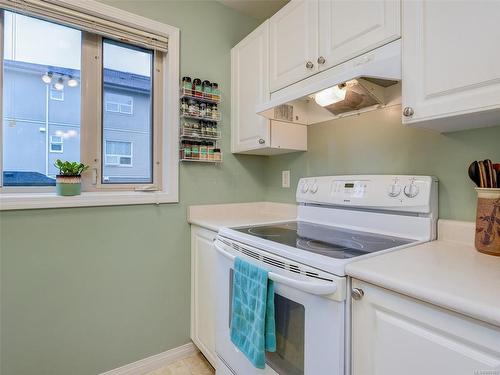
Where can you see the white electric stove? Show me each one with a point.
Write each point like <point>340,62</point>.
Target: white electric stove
<point>340,219</point>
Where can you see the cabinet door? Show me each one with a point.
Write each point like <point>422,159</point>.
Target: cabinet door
<point>294,43</point>
<point>451,60</point>
<point>203,291</point>
<point>249,87</point>
<point>393,334</point>
<point>350,28</point>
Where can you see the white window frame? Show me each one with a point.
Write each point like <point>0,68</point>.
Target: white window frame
<point>52,97</point>
<point>120,105</point>
<point>53,142</point>
<point>131,156</point>
<point>166,166</point>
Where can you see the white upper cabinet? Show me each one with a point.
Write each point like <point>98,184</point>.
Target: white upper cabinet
<point>350,28</point>
<point>294,43</point>
<point>393,335</point>
<point>249,87</point>
<point>451,64</point>
<point>250,132</point>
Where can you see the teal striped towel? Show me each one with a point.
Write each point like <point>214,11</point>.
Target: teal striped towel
<point>253,328</point>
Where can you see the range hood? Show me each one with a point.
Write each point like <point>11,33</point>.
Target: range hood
<point>365,83</point>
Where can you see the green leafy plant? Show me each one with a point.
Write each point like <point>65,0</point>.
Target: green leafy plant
<point>70,168</point>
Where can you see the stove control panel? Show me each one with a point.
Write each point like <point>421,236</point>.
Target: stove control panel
<point>386,192</point>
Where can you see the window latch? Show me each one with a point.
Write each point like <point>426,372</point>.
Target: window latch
<point>147,188</point>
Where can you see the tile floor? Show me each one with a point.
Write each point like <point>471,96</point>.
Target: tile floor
<point>192,365</point>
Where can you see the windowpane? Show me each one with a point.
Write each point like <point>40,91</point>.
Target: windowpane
<point>127,119</point>
<point>41,99</point>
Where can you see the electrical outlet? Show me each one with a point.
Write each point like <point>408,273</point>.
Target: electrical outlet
<point>285,179</point>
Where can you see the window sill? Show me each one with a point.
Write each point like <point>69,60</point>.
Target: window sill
<point>25,201</point>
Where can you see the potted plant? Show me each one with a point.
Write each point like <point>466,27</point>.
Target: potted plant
<point>69,179</point>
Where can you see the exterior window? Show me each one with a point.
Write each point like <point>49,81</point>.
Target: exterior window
<point>119,103</point>
<point>56,94</point>
<point>127,76</point>
<point>56,144</point>
<point>32,66</point>
<point>118,153</point>
<point>116,112</point>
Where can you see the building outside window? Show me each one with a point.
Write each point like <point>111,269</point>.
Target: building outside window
<point>56,144</point>
<point>119,103</point>
<point>118,153</point>
<point>56,94</point>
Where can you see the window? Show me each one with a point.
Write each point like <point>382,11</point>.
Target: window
<point>35,69</point>
<point>118,153</point>
<point>56,144</point>
<point>120,109</point>
<point>119,103</point>
<point>56,94</point>
<point>127,77</point>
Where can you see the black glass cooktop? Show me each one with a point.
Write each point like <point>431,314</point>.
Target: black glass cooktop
<point>325,240</point>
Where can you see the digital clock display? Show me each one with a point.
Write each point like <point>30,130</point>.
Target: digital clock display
<point>349,185</point>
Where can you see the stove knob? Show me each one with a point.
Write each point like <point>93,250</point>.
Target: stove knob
<point>305,187</point>
<point>411,190</point>
<point>394,190</point>
<point>314,188</point>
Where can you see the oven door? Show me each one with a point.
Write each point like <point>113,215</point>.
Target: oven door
<point>309,315</point>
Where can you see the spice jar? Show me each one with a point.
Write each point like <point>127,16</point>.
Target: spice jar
<point>203,151</point>
<point>215,91</point>
<point>197,87</point>
<point>208,111</point>
<point>207,89</point>
<point>196,126</point>
<point>187,85</point>
<point>203,110</point>
<point>217,154</point>
<point>193,108</point>
<point>184,106</point>
<point>195,150</point>
<point>210,152</point>
<point>185,150</point>
<point>215,112</point>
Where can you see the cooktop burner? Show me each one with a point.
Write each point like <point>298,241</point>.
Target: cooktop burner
<point>330,241</point>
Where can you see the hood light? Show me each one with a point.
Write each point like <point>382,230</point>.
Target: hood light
<point>330,95</point>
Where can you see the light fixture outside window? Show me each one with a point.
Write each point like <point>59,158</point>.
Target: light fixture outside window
<point>59,85</point>
<point>72,82</point>
<point>330,95</point>
<point>47,78</point>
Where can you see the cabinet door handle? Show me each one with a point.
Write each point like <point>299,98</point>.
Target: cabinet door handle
<point>357,294</point>
<point>321,60</point>
<point>262,141</point>
<point>408,111</point>
<point>309,65</point>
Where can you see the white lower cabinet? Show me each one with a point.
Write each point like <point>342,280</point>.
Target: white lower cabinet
<point>203,291</point>
<point>393,334</point>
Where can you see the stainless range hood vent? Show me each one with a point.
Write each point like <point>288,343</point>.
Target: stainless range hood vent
<point>365,83</point>
<point>360,93</point>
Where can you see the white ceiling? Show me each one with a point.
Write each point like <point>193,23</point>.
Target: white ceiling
<point>258,9</point>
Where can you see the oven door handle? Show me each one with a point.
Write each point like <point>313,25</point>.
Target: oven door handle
<point>317,288</point>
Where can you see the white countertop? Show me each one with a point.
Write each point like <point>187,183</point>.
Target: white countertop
<point>449,273</point>
<point>216,216</point>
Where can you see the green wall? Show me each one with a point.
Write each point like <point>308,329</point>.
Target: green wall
<point>87,290</point>
<point>376,142</point>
